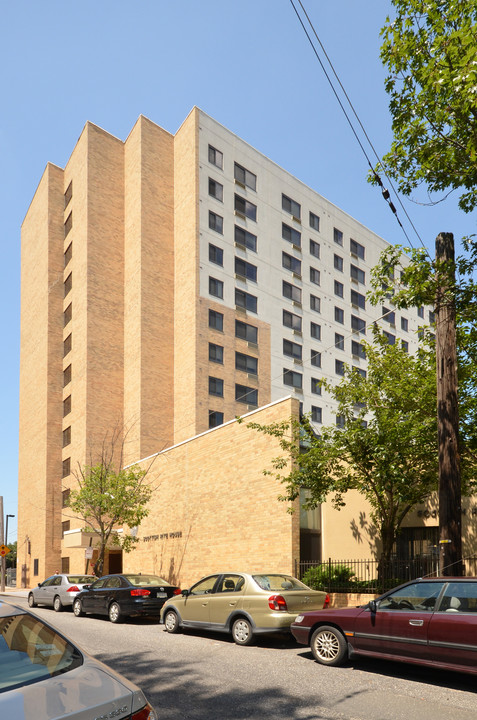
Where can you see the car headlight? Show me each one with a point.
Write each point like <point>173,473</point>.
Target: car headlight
<point>299,618</point>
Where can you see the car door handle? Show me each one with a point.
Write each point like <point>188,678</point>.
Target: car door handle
<point>232,603</point>
<point>416,623</point>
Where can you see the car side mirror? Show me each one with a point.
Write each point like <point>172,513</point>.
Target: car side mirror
<point>373,606</point>
<point>39,584</point>
<point>87,586</point>
<point>185,593</point>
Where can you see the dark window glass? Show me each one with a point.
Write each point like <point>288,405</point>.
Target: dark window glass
<point>338,263</point>
<point>291,263</point>
<point>420,312</point>
<point>339,341</point>
<point>358,299</point>
<point>316,414</point>
<point>67,376</point>
<point>314,248</point>
<point>66,468</point>
<point>67,345</point>
<point>245,238</point>
<point>389,316</point>
<point>314,275</point>
<point>67,315</point>
<point>389,337</point>
<point>215,418</point>
<point>216,320</point>
<point>244,176</point>
<point>216,255</point>
<point>67,406</point>
<point>314,221</point>
<point>357,274</point>
<point>337,236</point>
<point>245,207</point>
<point>291,291</point>
<point>290,206</point>
<point>216,287</point>
<point>315,386</point>
<point>339,289</point>
<point>246,269</point>
<point>292,349</point>
<point>291,235</point>
<point>216,189</point>
<point>315,331</point>
<point>246,395</point>
<point>404,324</point>
<point>216,157</point>
<point>339,315</point>
<point>216,353</point>
<point>292,321</point>
<point>358,325</point>
<point>356,249</point>
<point>67,436</point>
<point>290,377</point>
<point>357,350</point>
<point>339,367</point>
<point>216,222</point>
<point>246,363</point>
<point>405,345</point>
<point>246,331</point>
<point>316,358</point>
<point>216,386</point>
<point>245,300</point>
<point>315,303</point>
<point>340,421</point>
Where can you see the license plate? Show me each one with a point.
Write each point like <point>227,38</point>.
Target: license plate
<point>161,595</point>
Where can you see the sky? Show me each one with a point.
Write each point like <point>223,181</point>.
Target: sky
<point>248,64</point>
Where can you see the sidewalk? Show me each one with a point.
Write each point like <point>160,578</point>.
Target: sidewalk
<point>15,592</point>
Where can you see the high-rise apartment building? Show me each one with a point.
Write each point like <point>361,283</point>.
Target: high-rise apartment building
<point>169,284</point>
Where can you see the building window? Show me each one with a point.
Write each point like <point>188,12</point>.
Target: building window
<point>339,289</point>
<point>67,315</point>
<point>292,378</point>
<point>67,436</point>
<point>292,321</point>
<point>360,371</point>
<point>67,376</point>
<point>356,249</point>
<point>215,418</point>
<point>67,345</point>
<point>246,363</point>
<point>314,222</point>
<point>315,331</point>
<point>67,285</point>
<point>339,367</point>
<point>291,263</point>
<point>357,274</point>
<point>420,311</point>
<point>291,235</point>
<point>358,325</point>
<point>339,315</point>
<point>389,337</point>
<point>315,303</point>
<point>66,467</point>
<point>389,316</point>
<point>315,386</point>
<point>291,292</point>
<point>245,207</point>
<point>67,406</point>
<point>338,263</point>
<point>216,222</point>
<point>314,248</point>
<point>339,341</point>
<point>65,565</point>
<point>246,269</point>
<point>35,566</point>
<point>405,345</point>
<point>216,255</point>
<point>245,300</point>
<point>358,300</point>
<point>216,353</point>
<point>216,157</point>
<point>432,317</point>
<point>68,254</point>
<point>292,349</point>
<point>314,276</point>
<point>404,324</point>
<point>340,421</point>
<point>338,236</point>
<point>245,239</point>
<point>65,497</point>
<point>246,395</point>
<point>216,320</point>
<point>245,177</point>
<point>68,223</point>
<point>68,194</point>
<point>316,414</point>
<point>316,358</point>
<point>216,287</point>
<point>244,331</point>
<point>216,189</point>
<point>216,386</point>
<point>291,207</point>
<point>357,350</point>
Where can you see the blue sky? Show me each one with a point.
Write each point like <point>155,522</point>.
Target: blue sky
<point>247,64</point>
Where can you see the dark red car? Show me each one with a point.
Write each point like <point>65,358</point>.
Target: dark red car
<point>432,622</point>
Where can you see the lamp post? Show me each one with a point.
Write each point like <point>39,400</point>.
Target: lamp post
<point>6,529</point>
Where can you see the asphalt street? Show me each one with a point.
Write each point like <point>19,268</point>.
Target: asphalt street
<point>193,676</point>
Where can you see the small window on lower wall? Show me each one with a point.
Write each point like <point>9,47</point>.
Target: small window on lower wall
<point>215,418</point>
<point>66,467</point>
<point>35,566</point>
<point>246,395</point>
<point>216,386</point>
<point>316,414</point>
<point>65,565</point>
<point>65,526</point>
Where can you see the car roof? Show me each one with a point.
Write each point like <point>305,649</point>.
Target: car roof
<point>7,609</point>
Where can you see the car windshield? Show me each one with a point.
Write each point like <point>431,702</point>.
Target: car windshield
<point>81,579</point>
<point>278,583</point>
<point>146,580</point>
<point>31,651</point>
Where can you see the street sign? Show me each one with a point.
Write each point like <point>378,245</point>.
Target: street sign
<point>88,553</point>
<point>4,550</point>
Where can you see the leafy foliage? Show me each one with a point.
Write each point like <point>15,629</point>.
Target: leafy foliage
<point>430,50</point>
<point>321,577</point>
<point>387,449</point>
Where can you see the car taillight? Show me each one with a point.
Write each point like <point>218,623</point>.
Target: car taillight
<point>73,588</point>
<point>140,591</point>
<point>327,601</point>
<point>277,602</point>
<point>177,591</point>
<point>146,713</point>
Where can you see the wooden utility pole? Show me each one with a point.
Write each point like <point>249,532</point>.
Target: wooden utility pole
<point>450,511</point>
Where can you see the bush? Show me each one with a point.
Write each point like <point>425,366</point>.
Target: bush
<point>324,577</point>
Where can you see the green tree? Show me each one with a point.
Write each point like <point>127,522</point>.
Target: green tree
<point>430,51</point>
<point>386,448</point>
<point>110,496</point>
<point>11,557</point>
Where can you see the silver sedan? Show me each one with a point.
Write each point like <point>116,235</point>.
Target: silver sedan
<point>59,590</point>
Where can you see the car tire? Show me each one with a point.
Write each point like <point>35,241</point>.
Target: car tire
<point>328,645</point>
<point>114,613</point>
<point>31,600</point>
<point>77,608</point>
<point>242,631</point>
<point>171,622</point>
<point>57,604</point>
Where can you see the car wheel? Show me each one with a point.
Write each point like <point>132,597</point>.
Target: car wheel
<point>171,621</point>
<point>78,608</point>
<point>328,645</point>
<point>115,613</point>
<point>57,604</point>
<point>242,631</point>
<point>31,600</point>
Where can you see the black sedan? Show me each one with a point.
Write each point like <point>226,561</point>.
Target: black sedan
<point>120,596</point>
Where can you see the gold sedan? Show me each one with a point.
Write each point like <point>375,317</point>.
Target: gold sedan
<point>242,604</point>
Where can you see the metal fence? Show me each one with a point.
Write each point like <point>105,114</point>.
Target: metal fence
<point>371,576</point>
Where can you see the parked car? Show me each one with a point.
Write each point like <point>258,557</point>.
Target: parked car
<point>44,676</point>
<point>431,621</point>
<point>242,604</point>
<point>120,596</point>
<point>58,591</point>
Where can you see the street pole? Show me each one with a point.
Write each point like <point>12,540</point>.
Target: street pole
<point>450,510</point>
<point>6,532</point>
<point>2,583</point>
